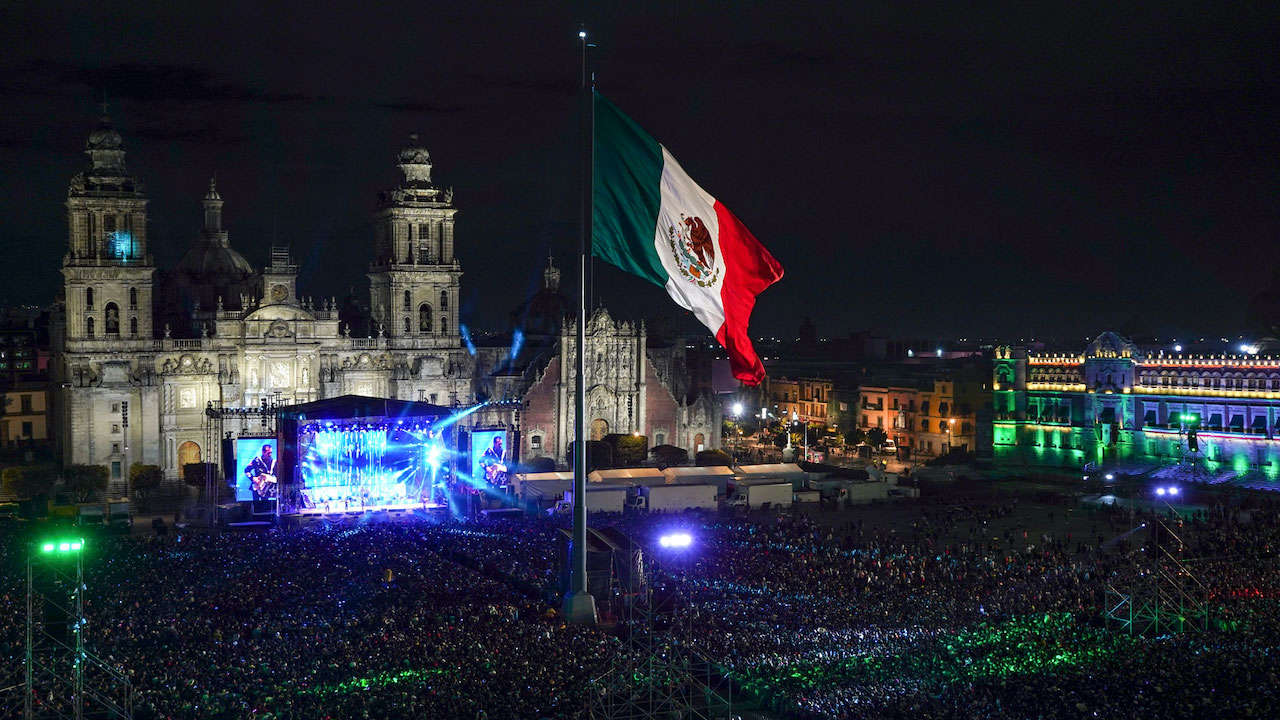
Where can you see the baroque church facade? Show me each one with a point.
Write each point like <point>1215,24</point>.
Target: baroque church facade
<point>139,353</point>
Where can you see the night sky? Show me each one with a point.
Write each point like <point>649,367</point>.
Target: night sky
<point>918,170</point>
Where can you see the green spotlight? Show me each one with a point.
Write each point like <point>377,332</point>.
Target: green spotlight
<point>47,547</point>
<point>64,547</point>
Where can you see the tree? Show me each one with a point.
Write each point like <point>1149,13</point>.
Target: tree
<point>84,481</point>
<point>667,455</point>
<point>628,450</point>
<point>856,436</point>
<point>27,481</point>
<point>709,458</point>
<point>143,479</point>
<point>877,436</point>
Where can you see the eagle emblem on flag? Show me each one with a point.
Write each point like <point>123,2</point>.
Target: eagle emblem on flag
<point>694,251</point>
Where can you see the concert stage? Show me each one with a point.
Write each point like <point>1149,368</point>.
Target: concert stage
<point>355,454</point>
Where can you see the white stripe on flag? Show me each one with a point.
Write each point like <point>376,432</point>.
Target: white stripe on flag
<point>682,198</point>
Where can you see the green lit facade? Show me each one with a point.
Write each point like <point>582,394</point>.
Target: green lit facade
<point>1115,405</point>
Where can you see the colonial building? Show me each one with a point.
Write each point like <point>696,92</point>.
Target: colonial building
<point>633,384</point>
<point>804,398</point>
<point>1113,403</point>
<point>139,355</point>
<point>926,415</point>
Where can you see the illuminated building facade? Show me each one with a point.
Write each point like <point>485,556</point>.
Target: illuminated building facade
<point>925,418</point>
<point>804,398</point>
<point>1115,404</point>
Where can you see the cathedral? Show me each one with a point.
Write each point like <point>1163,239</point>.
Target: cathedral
<point>140,353</point>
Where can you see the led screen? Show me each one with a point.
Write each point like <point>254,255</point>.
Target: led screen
<point>490,457</point>
<point>256,464</point>
<point>369,465</point>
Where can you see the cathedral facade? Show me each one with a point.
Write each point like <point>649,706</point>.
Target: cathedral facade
<point>140,353</point>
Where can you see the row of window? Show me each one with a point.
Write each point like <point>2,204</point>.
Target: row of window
<point>133,299</point>
<point>424,322</point>
<point>112,325</point>
<point>444,301</point>
<point>944,408</point>
<point>1223,383</point>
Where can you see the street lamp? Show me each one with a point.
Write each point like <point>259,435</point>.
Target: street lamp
<point>795,417</point>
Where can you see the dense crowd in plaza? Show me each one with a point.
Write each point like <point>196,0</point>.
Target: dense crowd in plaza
<point>944,618</point>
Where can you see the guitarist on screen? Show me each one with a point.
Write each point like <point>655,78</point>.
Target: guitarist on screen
<point>262,475</point>
<point>493,462</point>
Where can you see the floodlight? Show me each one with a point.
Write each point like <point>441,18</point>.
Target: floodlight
<point>64,547</point>
<point>1173,491</point>
<point>582,34</point>
<point>1160,491</point>
<point>676,540</point>
<point>47,547</point>
<point>76,545</point>
<point>1111,476</point>
<point>737,408</point>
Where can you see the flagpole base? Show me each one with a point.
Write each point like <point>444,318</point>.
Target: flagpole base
<point>580,608</point>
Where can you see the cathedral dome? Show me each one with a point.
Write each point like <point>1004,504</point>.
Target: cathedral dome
<point>211,268</point>
<point>212,261</point>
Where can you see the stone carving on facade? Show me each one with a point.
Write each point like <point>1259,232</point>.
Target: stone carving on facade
<point>279,374</point>
<point>278,329</point>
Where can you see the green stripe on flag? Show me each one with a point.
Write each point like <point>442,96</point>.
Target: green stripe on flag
<point>625,188</point>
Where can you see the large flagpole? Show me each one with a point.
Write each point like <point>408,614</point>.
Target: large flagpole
<point>579,605</point>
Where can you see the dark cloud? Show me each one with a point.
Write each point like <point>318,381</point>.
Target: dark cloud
<point>918,168</point>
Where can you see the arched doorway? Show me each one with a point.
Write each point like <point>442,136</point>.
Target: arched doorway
<point>599,428</point>
<point>188,453</point>
<point>699,443</point>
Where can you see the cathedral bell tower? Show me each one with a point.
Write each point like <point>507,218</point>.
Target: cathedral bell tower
<point>414,277</point>
<point>107,271</point>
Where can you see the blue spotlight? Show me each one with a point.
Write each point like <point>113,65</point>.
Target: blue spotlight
<point>517,342</point>
<point>466,338</point>
<point>676,540</point>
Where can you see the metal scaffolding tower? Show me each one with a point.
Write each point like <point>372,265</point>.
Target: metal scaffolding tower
<point>1160,595</point>
<point>63,679</point>
<point>656,673</point>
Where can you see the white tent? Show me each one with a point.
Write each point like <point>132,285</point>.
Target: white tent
<point>717,475</point>
<point>628,476</point>
<point>519,479</point>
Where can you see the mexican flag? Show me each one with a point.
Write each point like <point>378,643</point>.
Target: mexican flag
<point>653,220</point>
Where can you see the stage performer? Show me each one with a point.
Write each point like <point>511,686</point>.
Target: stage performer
<point>262,474</point>
<point>495,469</point>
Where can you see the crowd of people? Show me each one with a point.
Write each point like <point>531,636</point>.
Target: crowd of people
<point>804,615</point>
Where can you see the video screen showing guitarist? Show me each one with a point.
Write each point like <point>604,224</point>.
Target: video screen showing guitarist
<point>262,474</point>
<point>494,463</point>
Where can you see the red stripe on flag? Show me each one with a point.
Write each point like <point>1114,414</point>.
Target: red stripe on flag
<point>748,270</point>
